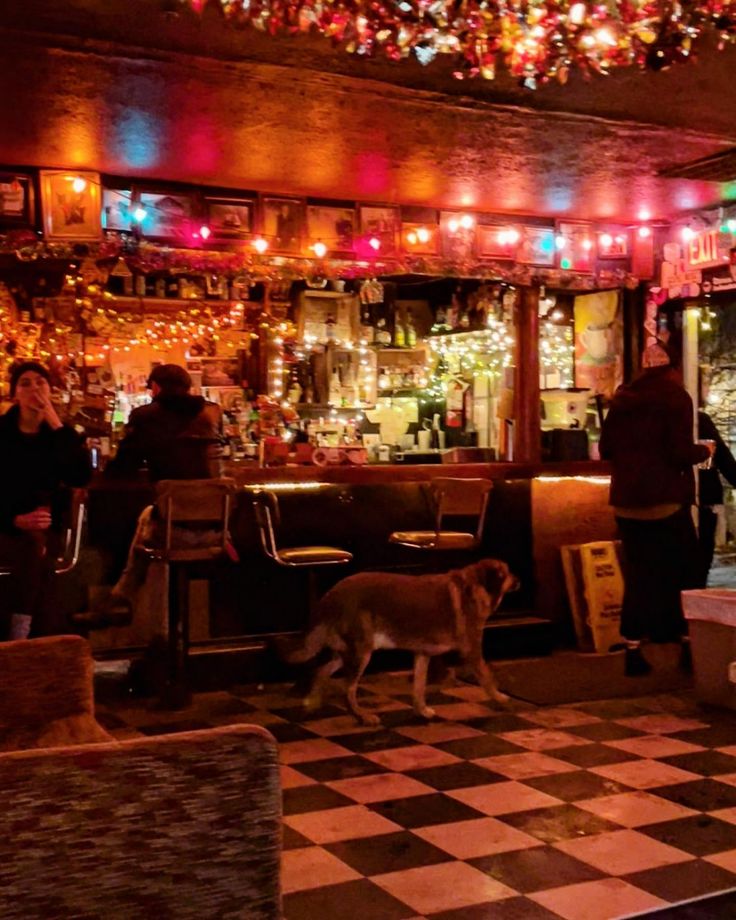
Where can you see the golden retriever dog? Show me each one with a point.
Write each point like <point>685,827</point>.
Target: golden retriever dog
<point>424,614</point>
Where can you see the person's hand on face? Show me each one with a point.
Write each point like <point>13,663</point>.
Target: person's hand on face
<point>39,519</point>
<point>34,395</point>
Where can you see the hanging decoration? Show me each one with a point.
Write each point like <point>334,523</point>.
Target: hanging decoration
<point>536,40</point>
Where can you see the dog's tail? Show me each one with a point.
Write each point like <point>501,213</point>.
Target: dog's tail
<point>295,651</point>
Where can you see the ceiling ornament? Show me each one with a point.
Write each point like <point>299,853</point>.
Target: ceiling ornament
<point>535,40</point>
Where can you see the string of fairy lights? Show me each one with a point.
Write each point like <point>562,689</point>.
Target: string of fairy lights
<point>535,40</point>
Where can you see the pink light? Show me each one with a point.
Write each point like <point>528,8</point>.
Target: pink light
<point>374,243</point>
<point>645,214</point>
<point>205,232</point>
<point>645,231</point>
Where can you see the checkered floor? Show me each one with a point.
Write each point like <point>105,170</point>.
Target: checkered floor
<point>588,811</point>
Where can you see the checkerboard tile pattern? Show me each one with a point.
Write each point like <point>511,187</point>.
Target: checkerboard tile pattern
<point>584,812</point>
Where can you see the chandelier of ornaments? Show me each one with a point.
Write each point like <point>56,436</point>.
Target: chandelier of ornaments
<point>536,40</point>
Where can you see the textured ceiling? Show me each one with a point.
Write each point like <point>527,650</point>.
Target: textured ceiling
<point>145,87</point>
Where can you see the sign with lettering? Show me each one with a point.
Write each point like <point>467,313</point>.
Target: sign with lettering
<point>707,249</point>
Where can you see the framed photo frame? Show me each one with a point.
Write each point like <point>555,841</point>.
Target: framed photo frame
<point>117,209</point>
<point>458,240</point>
<point>493,242</point>
<point>168,214</point>
<point>536,246</point>
<point>577,250</point>
<point>230,218</point>
<point>16,199</point>
<point>334,226</point>
<point>613,244</point>
<point>419,239</point>
<point>383,223</point>
<point>70,204</point>
<point>282,221</point>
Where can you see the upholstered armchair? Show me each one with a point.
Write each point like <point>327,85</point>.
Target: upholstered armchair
<point>178,826</point>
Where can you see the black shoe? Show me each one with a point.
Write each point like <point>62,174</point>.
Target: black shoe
<point>635,664</point>
<point>118,611</point>
<point>686,658</point>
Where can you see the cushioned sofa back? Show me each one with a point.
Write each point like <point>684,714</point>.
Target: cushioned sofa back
<point>178,826</point>
<point>46,695</point>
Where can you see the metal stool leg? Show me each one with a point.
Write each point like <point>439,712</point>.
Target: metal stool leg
<point>175,693</point>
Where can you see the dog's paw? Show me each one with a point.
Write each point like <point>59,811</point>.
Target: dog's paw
<point>426,712</point>
<point>370,718</point>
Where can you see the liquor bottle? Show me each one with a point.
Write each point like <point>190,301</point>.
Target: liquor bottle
<point>434,438</point>
<point>334,397</point>
<point>410,331</point>
<point>399,337</point>
<point>330,324</point>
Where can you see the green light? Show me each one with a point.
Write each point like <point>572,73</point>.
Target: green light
<point>565,263</point>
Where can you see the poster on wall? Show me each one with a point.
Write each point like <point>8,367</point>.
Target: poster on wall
<point>71,205</point>
<point>16,193</point>
<point>599,342</point>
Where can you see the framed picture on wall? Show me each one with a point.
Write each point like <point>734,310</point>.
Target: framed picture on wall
<point>383,223</point>
<point>16,199</point>
<point>334,226</point>
<point>419,239</point>
<point>576,251</point>
<point>457,232</point>
<point>536,246</point>
<point>70,205</point>
<point>282,222</point>
<point>497,241</point>
<point>230,218</point>
<point>168,215</point>
<point>116,209</point>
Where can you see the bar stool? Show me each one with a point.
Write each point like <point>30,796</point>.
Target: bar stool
<point>182,507</point>
<point>268,519</point>
<point>453,498</point>
<point>72,535</point>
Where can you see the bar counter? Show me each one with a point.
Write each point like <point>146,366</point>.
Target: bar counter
<point>533,510</point>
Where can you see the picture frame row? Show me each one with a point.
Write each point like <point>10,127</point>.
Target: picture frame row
<point>77,206</point>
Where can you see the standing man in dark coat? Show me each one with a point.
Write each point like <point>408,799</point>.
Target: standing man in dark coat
<point>648,438</point>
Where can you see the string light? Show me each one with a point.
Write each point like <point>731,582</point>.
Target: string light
<point>536,41</point>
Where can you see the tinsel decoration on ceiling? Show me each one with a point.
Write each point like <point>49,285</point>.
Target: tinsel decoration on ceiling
<point>536,40</point>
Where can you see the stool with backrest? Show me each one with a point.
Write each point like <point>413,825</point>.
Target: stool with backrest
<point>455,498</point>
<point>192,518</point>
<point>268,519</point>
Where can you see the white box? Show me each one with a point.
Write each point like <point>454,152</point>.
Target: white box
<point>711,616</point>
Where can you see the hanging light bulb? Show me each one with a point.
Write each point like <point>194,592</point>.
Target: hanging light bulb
<point>319,249</point>
<point>374,243</point>
<point>260,245</point>
<point>79,184</point>
<point>205,232</point>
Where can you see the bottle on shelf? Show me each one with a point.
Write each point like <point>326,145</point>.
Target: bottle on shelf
<point>330,324</point>
<point>382,335</point>
<point>434,437</point>
<point>334,397</point>
<point>399,336</point>
<point>410,332</point>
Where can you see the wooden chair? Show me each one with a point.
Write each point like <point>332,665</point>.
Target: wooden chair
<point>466,498</point>
<point>183,507</point>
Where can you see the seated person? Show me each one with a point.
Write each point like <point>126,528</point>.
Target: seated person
<point>39,458</point>
<point>176,436</point>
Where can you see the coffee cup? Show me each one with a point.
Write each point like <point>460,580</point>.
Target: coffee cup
<point>424,438</point>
